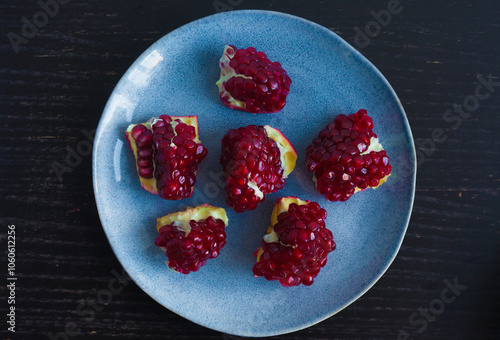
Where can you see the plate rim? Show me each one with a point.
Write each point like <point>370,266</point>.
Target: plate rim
<point>363,60</point>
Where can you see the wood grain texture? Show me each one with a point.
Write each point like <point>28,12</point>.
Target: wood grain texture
<point>56,86</point>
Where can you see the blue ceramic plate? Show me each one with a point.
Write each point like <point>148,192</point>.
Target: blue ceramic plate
<point>177,76</point>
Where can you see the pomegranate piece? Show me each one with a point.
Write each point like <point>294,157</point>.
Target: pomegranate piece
<point>167,153</point>
<point>296,245</point>
<point>347,157</point>
<point>250,82</point>
<point>191,237</point>
<point>256,161</point>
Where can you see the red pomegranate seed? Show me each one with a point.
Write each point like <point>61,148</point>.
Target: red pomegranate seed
<point>137,131</point>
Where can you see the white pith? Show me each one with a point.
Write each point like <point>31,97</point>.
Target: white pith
<point>226,73</point>
<point>255,188</point>
<point>182,226</point>
<point>174,124</point>
<point>272,237</point>
<point>374,146</point>
<point>181,219</point>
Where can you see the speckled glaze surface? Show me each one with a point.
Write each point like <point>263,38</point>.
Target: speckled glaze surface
<point>177,76</point>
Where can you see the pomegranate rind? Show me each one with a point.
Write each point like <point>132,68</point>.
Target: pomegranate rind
<point>226,73</point>
<point>199,213</point>
<point>149,184</point>
<point>288,154</point>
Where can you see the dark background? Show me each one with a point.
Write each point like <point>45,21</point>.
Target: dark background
<point>433,53</point>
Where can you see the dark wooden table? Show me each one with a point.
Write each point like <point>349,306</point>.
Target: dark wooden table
<point>441,57</point>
